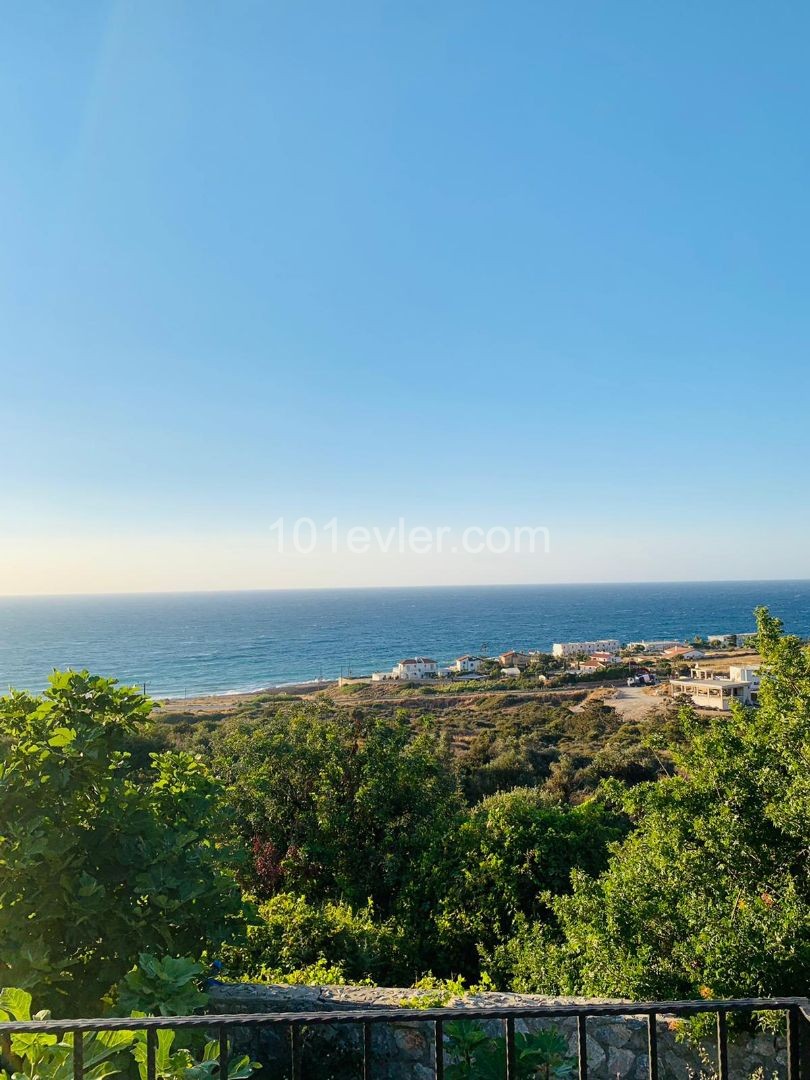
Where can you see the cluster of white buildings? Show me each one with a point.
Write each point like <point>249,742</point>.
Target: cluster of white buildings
<point>709,690</point>
<point>417,668</point>
<point>590,657</point>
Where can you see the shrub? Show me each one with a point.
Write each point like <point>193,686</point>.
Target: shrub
<point>299,938</point>
<point>165,987</point>
<point>513,849</point>
<point>98,861</point>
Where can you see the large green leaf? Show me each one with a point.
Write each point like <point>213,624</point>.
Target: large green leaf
<point>15,1003</point>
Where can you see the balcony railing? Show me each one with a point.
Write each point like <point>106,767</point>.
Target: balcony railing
<point>796,1010</point>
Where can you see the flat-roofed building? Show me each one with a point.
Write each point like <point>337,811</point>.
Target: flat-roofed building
<point>708,690</point>
<point>588,648</point>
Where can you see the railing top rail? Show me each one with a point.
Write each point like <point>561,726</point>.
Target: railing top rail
<point>394,1014</point>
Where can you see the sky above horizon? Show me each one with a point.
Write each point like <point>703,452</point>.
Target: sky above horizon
<point>459,265</point>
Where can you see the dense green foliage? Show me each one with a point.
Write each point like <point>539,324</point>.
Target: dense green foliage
<point>507,853</point>
<point>361,838</point>
<point>99,862</point>
<point>352,811</point>
<point>296,935</point>
<point>161,987</point>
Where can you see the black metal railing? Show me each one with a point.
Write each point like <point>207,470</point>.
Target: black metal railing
<point>796,1010</point>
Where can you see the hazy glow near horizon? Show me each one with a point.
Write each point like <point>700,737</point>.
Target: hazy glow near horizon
<point>383,261</point>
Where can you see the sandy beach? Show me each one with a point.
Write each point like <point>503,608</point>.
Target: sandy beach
<point>230,702</point>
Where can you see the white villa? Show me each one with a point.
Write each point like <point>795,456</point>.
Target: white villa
<point>574,648</point>
<point>466,664</point>
<point>595,662</point>
<point>708,690</point>
<point>413,669</point>
<point>419,667</point>
<point>682,652</point>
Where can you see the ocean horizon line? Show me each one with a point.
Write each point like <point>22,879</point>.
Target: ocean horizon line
<point>404,588</point>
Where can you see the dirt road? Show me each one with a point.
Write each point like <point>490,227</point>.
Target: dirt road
<point>633,702</point>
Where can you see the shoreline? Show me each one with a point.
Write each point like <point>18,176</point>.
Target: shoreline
<point>223,700</point>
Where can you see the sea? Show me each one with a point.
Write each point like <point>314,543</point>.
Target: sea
<point>186,644</point>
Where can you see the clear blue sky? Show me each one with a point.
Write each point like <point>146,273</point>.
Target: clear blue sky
<point>459,262</point>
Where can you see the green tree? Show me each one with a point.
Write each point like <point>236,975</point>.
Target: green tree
<point>293,934</point>
<point>710,895</point>
<point>512,849</point>
<point>336,809</point>
<point>99,862</point>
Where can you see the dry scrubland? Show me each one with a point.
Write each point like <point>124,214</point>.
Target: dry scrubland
<point>568,738</point>
<point>501,734</point>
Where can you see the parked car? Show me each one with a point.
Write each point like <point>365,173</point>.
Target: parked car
<point>642,679</point>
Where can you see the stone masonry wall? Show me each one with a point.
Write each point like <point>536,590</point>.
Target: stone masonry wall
<point>617,1046</point>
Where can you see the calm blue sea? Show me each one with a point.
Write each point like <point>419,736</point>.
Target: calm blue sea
<point>219,642</point>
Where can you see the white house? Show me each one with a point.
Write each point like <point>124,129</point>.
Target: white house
<point>590,667</point>
<point>466,664</point>
<point>418,667</point>
<point>708,690</point>
<point>682,652</point>
<point>603,657</point>
<point>573,648</point>
<point>515,659</point>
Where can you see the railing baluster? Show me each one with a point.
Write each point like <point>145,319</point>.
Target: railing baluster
<point>295,1050</point>
<point>78,1055</point>
<point>793,1044</point>
<point>582,1045</point>
<point>438,1036</point>
<point>722,1046</point>
<point>804,1041</point>
<point>223,1053</point>
<point>366,1050</point>
<point>151,1048</point>
<point>509,1032</point>
<point>652,1045</point>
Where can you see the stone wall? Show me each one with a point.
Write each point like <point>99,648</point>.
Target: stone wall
<point>617,1046</point>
